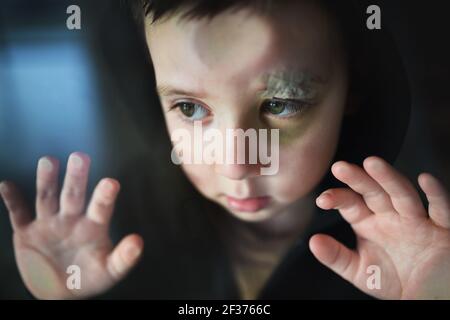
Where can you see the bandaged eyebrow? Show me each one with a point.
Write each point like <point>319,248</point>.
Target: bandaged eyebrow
<point>291,85</point>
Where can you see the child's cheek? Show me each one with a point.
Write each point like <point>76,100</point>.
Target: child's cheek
<point>301,168</point>
<point>293,130</point>
<point>304,159</point>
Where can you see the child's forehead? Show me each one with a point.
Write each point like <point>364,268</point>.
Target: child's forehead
<point>223,38</point>
<point>239,48</point>
<point>231,51</point>
<point>246,51</point>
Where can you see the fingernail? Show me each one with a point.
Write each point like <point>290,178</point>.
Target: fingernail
<point>320,201</point>
<point>322,198</point>
<point>343,168</point>
<point>133,252</point>
<point>106,185</point>
<point>76,162</point>
<point>375,163</point>
<point>45,164</point>
<point>325,194</point>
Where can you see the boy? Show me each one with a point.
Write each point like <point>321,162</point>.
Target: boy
<point>255,64</point>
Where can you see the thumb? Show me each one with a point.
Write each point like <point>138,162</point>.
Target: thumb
<point>125,256</point>
<point>335,256</point>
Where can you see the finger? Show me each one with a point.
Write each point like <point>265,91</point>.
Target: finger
<point>438,199</point>
<point>19,213</point>
<point>335,256</point>
<point>125,256</point>
<point>403,194</point>
<point>47,187</point>
<point>75,182</point>
<point>349,203</point>
<point>101,206</point>
<point>358,180</point>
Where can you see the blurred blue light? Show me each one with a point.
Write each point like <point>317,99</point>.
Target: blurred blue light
<point>48,94</point>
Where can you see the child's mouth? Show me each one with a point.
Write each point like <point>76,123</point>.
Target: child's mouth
<point>248,204</point>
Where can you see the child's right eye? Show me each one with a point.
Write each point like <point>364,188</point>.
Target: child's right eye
<point>192,111</point>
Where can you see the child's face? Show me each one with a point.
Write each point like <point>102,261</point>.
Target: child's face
<point>225,70</point>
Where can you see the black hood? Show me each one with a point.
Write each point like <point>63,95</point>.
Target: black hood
<point>379,94</point>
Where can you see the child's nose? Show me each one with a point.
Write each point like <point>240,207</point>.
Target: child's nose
<point>241,159</point>
<point>237,171</point>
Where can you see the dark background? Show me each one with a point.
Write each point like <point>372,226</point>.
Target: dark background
<point>91,90</point>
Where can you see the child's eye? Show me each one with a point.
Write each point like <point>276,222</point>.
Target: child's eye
<point>192,111</point>
<point>282,108</point>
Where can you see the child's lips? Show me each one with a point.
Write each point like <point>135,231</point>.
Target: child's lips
<point>253,204</point>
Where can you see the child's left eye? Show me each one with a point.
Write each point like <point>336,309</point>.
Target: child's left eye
<point>282,108</point>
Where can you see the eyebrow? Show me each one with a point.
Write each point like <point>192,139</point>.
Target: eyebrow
<point>166,91</point>
<point>292,84</point>
<point>298,77</point>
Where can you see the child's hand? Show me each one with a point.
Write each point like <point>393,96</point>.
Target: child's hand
<point>394,231</point>
<point>64,234</point>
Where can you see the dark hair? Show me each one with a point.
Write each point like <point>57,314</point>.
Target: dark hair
<point>194,8</point>
<point>158,9</point>
<point>378,84</point>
